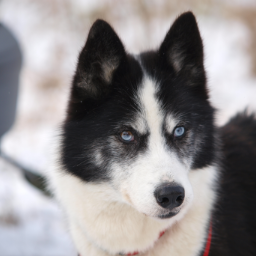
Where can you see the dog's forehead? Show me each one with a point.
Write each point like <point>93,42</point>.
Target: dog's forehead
<point>152,115</point>
<point>149,104</point>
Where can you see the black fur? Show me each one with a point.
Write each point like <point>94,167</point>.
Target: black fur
<point>96,106</point>
<point>184,91</point>
<point>234,222</point>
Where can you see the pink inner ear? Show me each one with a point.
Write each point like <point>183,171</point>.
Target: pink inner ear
<point>182,46</point>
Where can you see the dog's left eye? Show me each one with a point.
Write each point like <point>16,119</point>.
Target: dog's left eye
<point>127,136</point>
<point>179,131</point>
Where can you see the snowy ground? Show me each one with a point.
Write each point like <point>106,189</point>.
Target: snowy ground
<point>30,223</point>
<point>51,34</point>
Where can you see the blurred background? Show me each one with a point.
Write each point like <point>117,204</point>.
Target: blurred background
<point>50,34</point>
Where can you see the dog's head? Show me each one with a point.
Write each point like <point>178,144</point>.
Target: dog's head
<point>141,123</point>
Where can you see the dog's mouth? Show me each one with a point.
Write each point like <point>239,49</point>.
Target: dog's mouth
<point>168,215</point>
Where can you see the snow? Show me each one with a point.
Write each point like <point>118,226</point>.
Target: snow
<point>51,33</point>
<point>30,223</point>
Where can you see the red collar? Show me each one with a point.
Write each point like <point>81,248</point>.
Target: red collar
<point>135,253</point>
<point>209,240</point>
<point>206,249</point>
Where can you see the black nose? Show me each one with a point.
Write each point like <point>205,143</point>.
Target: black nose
<point>169,196</point>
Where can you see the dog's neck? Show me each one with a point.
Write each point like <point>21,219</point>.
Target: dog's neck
<point>103,227</point>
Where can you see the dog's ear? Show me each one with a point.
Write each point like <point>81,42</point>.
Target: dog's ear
<point>182,48</point>
<point>102,54</point>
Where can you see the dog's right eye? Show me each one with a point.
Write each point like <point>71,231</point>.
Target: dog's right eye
<point>179,131</point>
<point>127,136</point>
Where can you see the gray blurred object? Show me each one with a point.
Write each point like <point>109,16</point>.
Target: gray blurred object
<point>10,66</point>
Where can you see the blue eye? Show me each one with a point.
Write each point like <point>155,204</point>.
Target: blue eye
<point>179,131</point>
<point>127,136</point>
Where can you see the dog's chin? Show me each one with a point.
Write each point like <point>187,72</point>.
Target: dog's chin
<point>167,215</point>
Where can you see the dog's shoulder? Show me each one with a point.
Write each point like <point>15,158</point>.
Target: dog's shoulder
<point>234,213</point>
<point>239,137</point>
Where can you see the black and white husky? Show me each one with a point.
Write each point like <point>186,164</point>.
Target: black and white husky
<point>141,167</point>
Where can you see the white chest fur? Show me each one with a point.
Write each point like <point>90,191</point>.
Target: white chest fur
<point>101,225</point>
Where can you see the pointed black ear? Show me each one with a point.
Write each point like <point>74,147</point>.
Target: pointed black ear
<point>182,47</point>
<point>102,54</point>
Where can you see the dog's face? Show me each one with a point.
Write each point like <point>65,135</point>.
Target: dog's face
<point>141,124</point>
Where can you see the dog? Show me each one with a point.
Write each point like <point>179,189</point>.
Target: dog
<point>141,168</point>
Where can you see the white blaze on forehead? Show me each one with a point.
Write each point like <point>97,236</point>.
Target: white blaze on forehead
<point>151,109</point>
